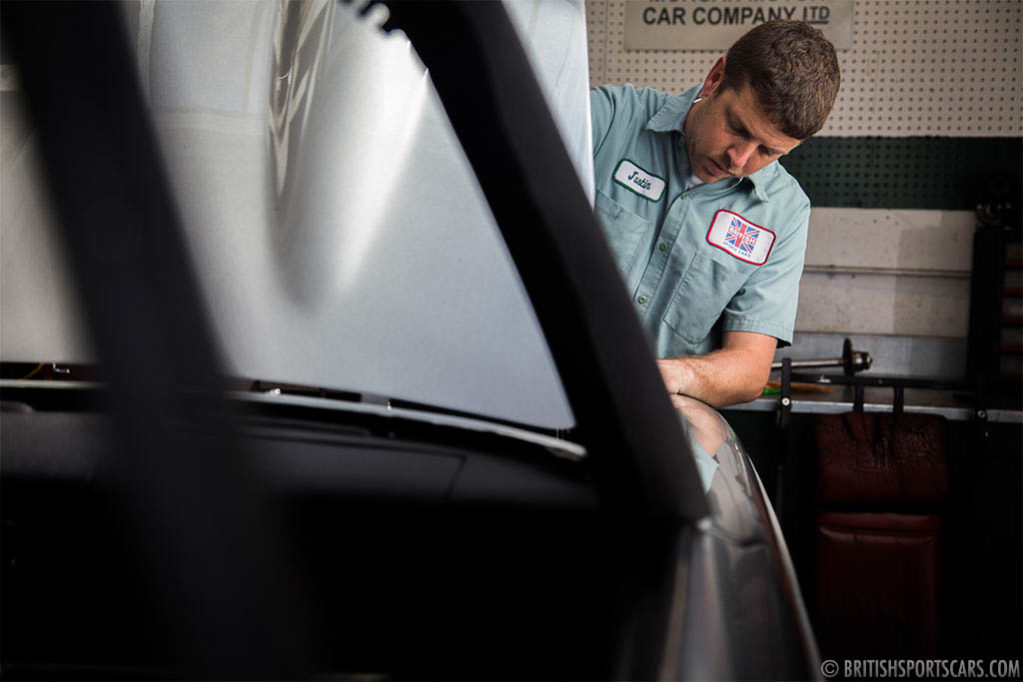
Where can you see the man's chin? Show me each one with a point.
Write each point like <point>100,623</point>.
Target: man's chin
<point>706,177</point>
<point>713,173</point>
<point>711,179</point>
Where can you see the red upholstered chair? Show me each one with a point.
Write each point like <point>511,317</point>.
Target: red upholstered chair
<point>881,481</point>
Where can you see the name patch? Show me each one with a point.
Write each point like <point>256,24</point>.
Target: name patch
<point>737,236</point>
<point>634,178</point>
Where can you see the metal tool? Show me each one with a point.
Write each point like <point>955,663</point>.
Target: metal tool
<point>852,361</point>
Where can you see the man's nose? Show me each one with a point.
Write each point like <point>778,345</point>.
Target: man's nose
<point>740,152</point>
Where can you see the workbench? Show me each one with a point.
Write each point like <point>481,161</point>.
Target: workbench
<point>949,404</point>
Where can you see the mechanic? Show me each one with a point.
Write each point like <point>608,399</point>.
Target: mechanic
<point>707,228</point>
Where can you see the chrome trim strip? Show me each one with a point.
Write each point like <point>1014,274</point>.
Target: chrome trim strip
<point>50,384</point>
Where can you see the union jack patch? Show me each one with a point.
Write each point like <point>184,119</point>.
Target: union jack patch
<point>737,236</point>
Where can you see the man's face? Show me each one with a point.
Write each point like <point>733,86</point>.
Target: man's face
<point>728,135</point>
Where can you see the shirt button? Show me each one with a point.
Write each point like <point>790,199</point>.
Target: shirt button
<point>664,246</point>
<point>642,299</point>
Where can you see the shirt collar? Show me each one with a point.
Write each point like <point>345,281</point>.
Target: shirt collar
<point>670,117</point>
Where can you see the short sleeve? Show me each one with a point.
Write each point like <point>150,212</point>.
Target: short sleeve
<point>767,302</point>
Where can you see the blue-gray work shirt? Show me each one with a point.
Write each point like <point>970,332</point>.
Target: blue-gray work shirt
<point>697,261</point>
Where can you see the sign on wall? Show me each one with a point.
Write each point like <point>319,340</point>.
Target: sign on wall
<point>716,24</point>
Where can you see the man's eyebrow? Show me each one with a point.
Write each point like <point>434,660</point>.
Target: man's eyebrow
<point>741,128</point>
<point>736,123</point>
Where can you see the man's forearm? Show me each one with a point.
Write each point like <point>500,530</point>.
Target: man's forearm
<point>721,378</point>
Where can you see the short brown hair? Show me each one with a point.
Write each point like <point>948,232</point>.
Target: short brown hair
<point>793,71</point>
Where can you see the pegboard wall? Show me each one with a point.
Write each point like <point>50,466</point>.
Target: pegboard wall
<point>944,173</point>
<point>917,67</point>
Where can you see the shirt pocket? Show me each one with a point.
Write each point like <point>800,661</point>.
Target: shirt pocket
<point>702,295</point>
<point>627,234</point>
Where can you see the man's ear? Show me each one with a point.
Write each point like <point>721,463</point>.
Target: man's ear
<point>714,78</point>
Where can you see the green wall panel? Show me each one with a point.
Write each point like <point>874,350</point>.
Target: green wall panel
<point>948,173</point>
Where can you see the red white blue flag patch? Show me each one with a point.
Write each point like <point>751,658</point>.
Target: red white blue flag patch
<point>737,236</point>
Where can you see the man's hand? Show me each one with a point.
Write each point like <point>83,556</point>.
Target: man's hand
<point>735,374</point>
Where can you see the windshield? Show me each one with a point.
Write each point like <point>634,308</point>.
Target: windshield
<point>336,227</point>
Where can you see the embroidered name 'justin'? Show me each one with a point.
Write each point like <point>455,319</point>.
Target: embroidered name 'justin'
<point>642,182</point>
<point>639,180</point>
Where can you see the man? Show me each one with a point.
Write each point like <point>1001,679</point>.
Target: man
<point>707,228</point>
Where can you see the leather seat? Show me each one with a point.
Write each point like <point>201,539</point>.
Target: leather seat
<point>881,482</point>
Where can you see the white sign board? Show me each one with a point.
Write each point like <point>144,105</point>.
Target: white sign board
<point>716,24</point>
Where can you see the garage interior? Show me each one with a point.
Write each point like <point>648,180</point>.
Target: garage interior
<point>914,255</point>
<point>915,259</point>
